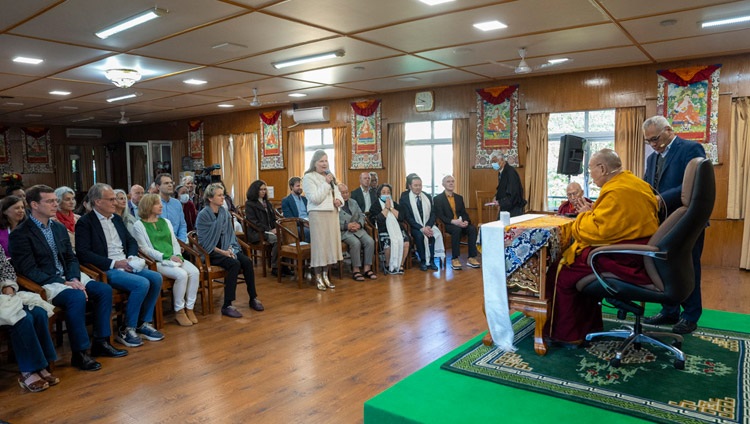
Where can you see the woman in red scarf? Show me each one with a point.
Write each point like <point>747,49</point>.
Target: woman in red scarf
<point>66,199</point>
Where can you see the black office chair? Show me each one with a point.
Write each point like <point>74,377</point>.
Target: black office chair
<point>668,262</point>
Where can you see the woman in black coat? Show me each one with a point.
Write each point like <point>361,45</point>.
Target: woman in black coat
<point>259,211</point>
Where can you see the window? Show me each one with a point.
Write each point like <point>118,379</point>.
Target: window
<point>320,139</point>
<point>428,152</point>
<point>598,128</point>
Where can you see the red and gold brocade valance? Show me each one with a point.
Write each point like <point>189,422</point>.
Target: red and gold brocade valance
<point>36,132</point>
<point>195,126</point>
<point>686,76</point>
<point>270,118</point>
<point>496,95</point>
<point>365,107</point>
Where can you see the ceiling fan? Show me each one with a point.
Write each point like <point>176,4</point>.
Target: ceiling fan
<point>255,102</point>
<point>124,119</point>
<point>524,68</point>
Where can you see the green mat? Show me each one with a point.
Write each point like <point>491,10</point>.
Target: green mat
<point>710,389</point>
<point>434,395</point>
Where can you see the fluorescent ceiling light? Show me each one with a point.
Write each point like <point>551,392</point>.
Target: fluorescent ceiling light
<point>556,61</point>
<point>307,59</point>
<point>29,60</point>
<point>68,107</point>
<point>33,115</point>
<point>117,99</point>
<point>408,79</point>
<point>728,21</point>
<point>60,93</point>
<point>225,105</point>
<point>490,25</point>
<point>195,82</point>
<point>138,19</point>
<point>298,95</point>
<point>435,2</point>
<point>13,104</point>
<point>88,118</point>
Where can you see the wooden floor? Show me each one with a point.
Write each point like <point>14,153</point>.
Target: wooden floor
<point>311,357</point>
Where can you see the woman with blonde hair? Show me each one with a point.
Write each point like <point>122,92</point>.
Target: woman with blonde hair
<point>121,208</point>
<point>156,238</point>
<point>323,201</point>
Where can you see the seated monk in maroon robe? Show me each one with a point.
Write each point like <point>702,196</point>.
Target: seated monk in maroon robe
<point>626,211</point>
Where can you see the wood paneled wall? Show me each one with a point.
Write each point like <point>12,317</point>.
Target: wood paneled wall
<point>629,86</point>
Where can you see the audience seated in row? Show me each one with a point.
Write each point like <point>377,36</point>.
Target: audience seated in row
<point>361,245</point>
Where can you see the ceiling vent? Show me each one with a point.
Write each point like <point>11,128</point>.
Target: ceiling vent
<point>83,132</point>
<point>312,114</point>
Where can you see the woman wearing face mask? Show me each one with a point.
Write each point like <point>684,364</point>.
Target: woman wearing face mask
<point>188,207</point>
<point>393,239</point>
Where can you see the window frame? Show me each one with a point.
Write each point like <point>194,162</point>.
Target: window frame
<point>432,142</point>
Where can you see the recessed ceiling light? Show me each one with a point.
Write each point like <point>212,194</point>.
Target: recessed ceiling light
<point>117,99</point>
<point>88,118</point>
<point>229,46</point>
<point>408,79</point>
<point>13,103</point>
<point>68,108</point>
<point>359,68</point>
<point>556,61</point>
<point>490,25</point>
<point>195,82</point>
<point>138,19</point>
<point>59,93</point>
<point>434,2</point>
<point>668,22</point>
<point>29,60</point>
<point>728,21</point>
<point>462,50</point>
<point>225,105</point>
<point>33,115</point>
<point>298,95</point>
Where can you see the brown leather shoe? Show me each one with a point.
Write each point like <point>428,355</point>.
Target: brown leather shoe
<point>191,316</point>
<point>182,318</point>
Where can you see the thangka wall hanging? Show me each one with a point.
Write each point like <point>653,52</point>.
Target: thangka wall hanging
<point>195,144</point>
<point>270,138</point>
<point>366,135</point>
<point>37,151</point>
<point>689,99</point>
<point>4,150</point>
<point>497,124</point>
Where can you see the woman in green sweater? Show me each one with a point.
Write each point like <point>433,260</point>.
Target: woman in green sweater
<point>156,238</point>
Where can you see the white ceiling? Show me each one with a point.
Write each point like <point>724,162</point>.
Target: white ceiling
<point>384,40</point>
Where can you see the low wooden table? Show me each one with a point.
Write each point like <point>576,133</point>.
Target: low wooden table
<point>531,243</point>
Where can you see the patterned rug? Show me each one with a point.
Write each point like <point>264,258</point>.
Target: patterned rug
<point>713,388</point>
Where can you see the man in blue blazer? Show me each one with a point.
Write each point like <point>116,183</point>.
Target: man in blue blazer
<point>41,252</point>
<point>665,169</point>
<point>295,204</point>
<point>103,241</point>
<point>364,195</point>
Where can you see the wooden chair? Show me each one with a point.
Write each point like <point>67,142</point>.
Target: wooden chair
<point>293,251</point>
<point>486,213</point>
<point>260,249</point>
<point>119,298</point>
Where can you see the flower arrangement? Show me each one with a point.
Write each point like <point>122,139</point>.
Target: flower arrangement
<point>12,179</point>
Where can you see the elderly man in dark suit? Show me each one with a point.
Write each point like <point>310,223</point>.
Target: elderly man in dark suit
<point>103,241</point>
<point>353,233</point>
<point>364,195</point>
<point>665,168</point>
<point>42,252</point>
<point>450,209</point>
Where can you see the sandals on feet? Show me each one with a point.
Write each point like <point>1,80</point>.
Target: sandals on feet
<point>371,275</point>
<point>357,276</point>
<point>48,377</point>
<point>32,382</point>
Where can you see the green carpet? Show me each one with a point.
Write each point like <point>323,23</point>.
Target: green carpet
<point>433,395</point>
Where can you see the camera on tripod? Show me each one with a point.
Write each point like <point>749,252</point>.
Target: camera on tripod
<point>203,176</point>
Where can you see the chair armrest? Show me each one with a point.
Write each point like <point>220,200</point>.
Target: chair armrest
<point>245,247</point>
<point>194,254</point>
<point>94,272</point>
<point>31,286</point>
<point>621,249</point>
<point>150,262</point>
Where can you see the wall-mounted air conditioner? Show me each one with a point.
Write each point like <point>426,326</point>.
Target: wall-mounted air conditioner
<point>312,114</point>
<point>83,132</point>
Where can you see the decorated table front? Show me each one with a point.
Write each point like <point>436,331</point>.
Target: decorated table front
<point>516,280</point>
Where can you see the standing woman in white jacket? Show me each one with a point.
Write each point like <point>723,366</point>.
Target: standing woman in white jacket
<point>323,201</point>
<point>156,238</point>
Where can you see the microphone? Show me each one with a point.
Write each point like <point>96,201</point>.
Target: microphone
<point>333,181</point>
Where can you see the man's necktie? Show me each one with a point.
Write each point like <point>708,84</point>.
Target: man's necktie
<point>659,168</point>
<point>419,204</point>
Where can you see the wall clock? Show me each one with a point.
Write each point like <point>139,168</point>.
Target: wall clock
<point>424,101</point>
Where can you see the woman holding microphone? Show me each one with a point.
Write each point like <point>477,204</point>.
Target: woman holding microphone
<point>323,201</point>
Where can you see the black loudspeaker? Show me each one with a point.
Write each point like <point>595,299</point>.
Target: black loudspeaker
<point>570,160</point>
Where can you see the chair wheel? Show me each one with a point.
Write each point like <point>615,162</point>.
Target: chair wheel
<point>678,364</point>
<point>615,362</point>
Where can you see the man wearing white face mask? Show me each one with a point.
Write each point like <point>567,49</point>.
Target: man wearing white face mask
<point>509,193</point>
<point>189,210</point>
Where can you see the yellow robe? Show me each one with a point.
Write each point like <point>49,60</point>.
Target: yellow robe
<point>625,210</point>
